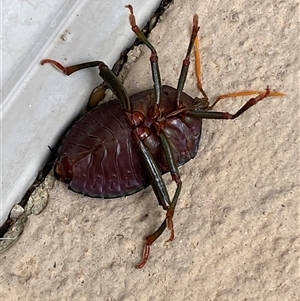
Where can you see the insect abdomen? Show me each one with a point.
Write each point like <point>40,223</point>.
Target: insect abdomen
<point>104,161</point>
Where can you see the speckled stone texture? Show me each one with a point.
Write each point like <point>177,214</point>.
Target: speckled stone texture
<point>237,219</point>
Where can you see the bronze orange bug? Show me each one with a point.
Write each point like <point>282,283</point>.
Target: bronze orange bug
<point>124,145</point>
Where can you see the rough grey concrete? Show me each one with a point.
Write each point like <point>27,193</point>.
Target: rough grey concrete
<point>237,220</point>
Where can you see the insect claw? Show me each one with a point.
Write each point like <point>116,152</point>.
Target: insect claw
<point>171,228</point>
<point>55,64</point>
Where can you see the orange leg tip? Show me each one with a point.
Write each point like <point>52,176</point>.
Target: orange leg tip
<point>145,257</point>
<point>277,94</point>
<point>172,236</point>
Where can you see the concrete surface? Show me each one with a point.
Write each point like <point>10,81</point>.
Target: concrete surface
<point>237,219</point>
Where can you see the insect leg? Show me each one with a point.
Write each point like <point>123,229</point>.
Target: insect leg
<point>198,66</point>
<point>161,192</point>
<point>153,57</point>
<point>175,177</point>
<point>225,115</point>
<point>186,61</point>
<point>155,177</point>
<point>115,86</point>
<point>71,69</point>
<point>242,93</point>
<point>108,76</point>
